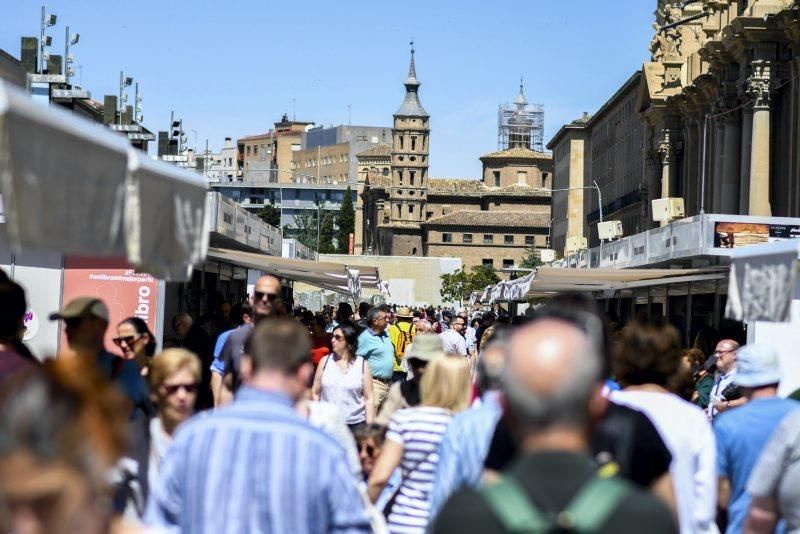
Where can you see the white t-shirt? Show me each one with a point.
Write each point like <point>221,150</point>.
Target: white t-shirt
<point>689,437</point>
<point>453,342</point>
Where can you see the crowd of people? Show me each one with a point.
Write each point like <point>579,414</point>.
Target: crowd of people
<point>391,419</point>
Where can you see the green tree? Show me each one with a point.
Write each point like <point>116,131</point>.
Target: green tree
<point>532,259</point>
<point>270,215</point>
<point>305,226</point>
<point>326,232</point>
<point>455,286</point>
<point>346,221</point>
<point>459,285</point>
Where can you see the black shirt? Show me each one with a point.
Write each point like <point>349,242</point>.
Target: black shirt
<point>551,480</point>
<point>624,435</point>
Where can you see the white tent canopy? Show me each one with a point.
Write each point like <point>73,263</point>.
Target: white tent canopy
<point>347,279</point>
<point>548,281</point>
<point>72,186</point>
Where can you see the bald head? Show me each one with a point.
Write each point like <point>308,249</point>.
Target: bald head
<point>551,372</point>
<point>266,296</point>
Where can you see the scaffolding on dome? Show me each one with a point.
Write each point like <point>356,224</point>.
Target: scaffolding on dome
<point>520,124</point>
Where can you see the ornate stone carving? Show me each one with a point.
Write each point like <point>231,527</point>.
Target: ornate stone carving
<point>666,44</point>
<point>758,90</point>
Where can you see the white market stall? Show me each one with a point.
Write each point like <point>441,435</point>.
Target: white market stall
<point>345,279</point>
<point>83,212</point>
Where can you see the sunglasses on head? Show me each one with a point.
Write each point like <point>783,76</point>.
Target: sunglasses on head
<point>129,340</point>
<point>259,296</point>
<point>174,388</point>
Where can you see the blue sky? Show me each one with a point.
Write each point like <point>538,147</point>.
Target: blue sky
<point>231,68</point>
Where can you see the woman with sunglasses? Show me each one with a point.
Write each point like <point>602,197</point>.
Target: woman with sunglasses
<point>174,381</point>
<point>136,342</point>
<point>344,379</point>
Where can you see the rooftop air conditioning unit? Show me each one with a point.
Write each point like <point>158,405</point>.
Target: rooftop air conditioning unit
<point>547,255</point>
<point>575,244</point>
<point>609,230</point>
<point>668,209</point>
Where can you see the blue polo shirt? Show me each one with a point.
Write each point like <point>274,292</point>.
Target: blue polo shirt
<point>378,350</point>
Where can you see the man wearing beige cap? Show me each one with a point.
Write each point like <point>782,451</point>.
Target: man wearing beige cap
<point>406,394</point>
<point>85,322</point>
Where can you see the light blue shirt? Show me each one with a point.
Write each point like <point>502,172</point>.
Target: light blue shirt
<point>378,350</point>
<point>463,450</point>
<point>218,366</point>
<point>255,466</point>
<point>741,435</point>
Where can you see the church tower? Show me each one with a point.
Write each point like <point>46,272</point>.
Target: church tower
<point>408,192</point>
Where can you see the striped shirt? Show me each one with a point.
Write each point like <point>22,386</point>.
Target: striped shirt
<point>463,450</point>
<point>419,430</point>
<point>256,467</point>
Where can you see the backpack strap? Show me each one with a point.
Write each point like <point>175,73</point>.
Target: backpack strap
<point>595,503</point>
<point>510,504</point>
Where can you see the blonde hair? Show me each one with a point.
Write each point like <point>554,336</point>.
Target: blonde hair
<point>446,383</point>
<point>171,361</point>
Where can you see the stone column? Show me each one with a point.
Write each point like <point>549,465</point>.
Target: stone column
<point>669,166</point>
<point>758,89</point>
<point>745,151</point>
<point>731,160</point>
<point>714,181</point>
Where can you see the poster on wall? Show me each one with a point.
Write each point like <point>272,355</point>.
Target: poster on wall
<point>125,292</point>
<point>736,234</point>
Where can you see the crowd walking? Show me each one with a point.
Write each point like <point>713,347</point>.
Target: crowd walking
<point>401,420</point>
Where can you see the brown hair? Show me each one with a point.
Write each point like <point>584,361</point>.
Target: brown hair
<point>695,356</point>
<point>647,352</point>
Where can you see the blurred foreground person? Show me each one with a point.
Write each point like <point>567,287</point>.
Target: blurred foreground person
<point>174,381</point>
<point>412,443</point>
<point>742,433</point>
<point>85,323</point>
<point>63,427</point>
<point>553,386</point>
<point>256,465</point>
<point>14,356</point>
<point>647,360</point>
<point>774,484</point>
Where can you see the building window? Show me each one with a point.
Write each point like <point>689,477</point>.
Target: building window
<point>529,240</point>
<point>467,238</point>
<point>508,239</point>
<point>488,262</point>
<point>413,142</point>
<point>411,178</point>
<point>522,177</point>
<point>248,150</point>
<point>401,142</point>
<point>255,150</point>
<point>385,171</point>
<point>488,239</point>
<point>411,209</point>
<point>545,178</point>
<point>400,177</point>
<point>361,138</point>
<point>497,178</point>
<point>447,238</point>
<point>508,264</point>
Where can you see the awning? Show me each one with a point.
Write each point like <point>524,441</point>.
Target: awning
<point>72,186</point>
<point>548,281</point>
<point>763,282</point>
<point>326,275</point>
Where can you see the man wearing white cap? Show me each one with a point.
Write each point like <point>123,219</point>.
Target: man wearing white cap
<point>743,432</point>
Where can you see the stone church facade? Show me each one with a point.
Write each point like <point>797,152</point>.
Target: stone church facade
<point>493,221</point>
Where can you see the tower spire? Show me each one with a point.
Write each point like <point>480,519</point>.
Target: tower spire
<point>411,106</point>
<point>521,100</point>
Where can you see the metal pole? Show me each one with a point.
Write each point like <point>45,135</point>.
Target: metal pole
<point>599,199</point>
<point>136,104</point>
<point>41,44</point>
<point>121,86</point>
<point>316,196</point>
<point>703,173</point>
<point>66,57</point>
